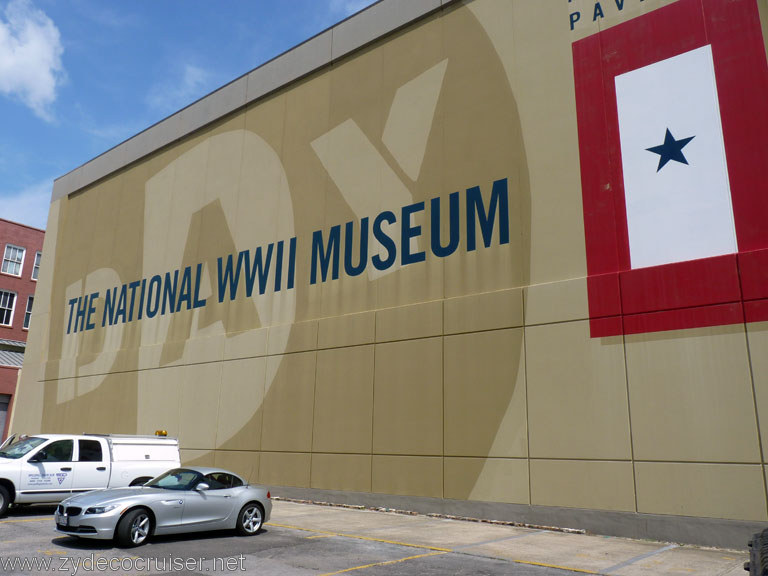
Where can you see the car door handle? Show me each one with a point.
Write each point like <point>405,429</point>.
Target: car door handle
<point>101,468</point>
<point>66,469</point>
<point>227,496</point>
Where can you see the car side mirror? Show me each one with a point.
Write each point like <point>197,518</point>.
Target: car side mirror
<point>202,487</point>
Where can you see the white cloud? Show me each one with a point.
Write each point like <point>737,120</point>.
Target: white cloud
<point>190,83</point>
<point>28,206</point>
<point>30,57</point>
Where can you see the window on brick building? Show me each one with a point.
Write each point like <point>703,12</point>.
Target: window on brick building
<point>13,259</point>
<point>7,302</point>
<point>36,267</point>
<point>28,312</point>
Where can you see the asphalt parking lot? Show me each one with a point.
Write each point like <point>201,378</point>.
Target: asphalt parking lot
<point>303,539</point>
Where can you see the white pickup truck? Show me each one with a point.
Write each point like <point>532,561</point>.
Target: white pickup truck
<point>51,467</point>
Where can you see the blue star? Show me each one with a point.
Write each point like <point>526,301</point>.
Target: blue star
<point>671,150</point>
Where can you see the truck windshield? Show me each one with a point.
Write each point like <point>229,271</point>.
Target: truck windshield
<point>22,447</point>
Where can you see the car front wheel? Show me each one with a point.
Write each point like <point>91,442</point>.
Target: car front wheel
<point>250,519</point>
<point>134,528</point>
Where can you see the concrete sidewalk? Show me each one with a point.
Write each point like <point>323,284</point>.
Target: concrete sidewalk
<point>529,546</point>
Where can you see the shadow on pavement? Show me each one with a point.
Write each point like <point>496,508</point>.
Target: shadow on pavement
<point>29,510</point>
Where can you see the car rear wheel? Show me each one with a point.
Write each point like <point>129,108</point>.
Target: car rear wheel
<point>134,528</point>
<point>5,499</point>
<point>250,519</point>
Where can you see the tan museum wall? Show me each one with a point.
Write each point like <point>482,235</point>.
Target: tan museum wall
<point>470,377</point>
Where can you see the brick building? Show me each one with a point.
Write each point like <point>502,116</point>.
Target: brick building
<point>21,247</point>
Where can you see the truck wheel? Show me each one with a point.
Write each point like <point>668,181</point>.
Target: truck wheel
<point>5,500</point>
<point>134,528</point>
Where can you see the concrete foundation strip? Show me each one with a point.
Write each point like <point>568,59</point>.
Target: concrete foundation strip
<point>432,515</point>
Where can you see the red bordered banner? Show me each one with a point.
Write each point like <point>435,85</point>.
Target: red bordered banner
<point>721,290</point>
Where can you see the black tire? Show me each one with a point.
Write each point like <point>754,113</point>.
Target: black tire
<point>134,529</point>
<point>758,554</point>
<point>5,500</point>
<point>763,552</point>
<point>250,519</point>
<point>140,481</point>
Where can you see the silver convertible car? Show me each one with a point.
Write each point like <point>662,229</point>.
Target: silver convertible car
<point>181,500</point>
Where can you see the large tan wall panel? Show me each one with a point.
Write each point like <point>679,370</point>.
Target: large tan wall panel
<point>757,335</point>
<point>487,479</point>
<point>583,484</point>
<point>486,418</point>
<point>408,398</point>
<point>577,395</point>
<point>343,406</point>
<point>713,490</point>
<point>406,272</point>
<point>680,409</point>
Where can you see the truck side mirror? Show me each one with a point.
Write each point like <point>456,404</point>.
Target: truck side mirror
<point>39,457</point>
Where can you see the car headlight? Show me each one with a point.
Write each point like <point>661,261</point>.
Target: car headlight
<point>101,509</point>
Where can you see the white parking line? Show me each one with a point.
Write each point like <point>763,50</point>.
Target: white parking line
<point>621,565</point>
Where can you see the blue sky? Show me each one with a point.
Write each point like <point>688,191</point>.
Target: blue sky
<point>80,76</point>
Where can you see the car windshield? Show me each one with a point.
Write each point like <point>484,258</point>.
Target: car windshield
<point>19,449</point>
<point>176,479</point>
